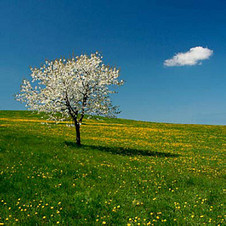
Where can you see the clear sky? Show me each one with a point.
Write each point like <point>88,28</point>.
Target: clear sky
<point>136,36</point>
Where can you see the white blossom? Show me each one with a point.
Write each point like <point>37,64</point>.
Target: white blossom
<point>73,87</point>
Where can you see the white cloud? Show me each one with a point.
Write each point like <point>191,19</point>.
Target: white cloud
<point>191,57</point>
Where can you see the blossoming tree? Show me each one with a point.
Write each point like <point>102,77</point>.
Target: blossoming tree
<point>72,87</point>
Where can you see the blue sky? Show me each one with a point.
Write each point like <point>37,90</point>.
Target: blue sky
<point>136,36</point>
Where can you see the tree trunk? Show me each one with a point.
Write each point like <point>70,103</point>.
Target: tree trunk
<point>77,128</point>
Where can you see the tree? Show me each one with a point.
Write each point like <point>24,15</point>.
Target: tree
<point>73,87</point>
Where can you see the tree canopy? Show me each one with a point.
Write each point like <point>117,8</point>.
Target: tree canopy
<point>73,87</point>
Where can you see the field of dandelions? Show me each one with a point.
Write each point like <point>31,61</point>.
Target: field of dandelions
<point>125,173</point>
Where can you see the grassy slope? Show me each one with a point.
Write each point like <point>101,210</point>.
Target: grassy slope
<point>126,172</point>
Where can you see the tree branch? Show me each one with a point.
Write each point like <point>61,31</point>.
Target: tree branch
<point>83,108</point>
<point>72,112</point>
<point>84,101</point>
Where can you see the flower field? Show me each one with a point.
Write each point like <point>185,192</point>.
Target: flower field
<point>125,173</point>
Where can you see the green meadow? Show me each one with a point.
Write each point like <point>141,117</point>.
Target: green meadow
<point>125,172</point>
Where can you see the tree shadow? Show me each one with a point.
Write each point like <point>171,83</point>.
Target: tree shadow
<point>122,151</point>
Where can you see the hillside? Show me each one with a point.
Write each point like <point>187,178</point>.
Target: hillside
<point>125,173</point>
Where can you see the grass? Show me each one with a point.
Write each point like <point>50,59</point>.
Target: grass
<point>125,173</point>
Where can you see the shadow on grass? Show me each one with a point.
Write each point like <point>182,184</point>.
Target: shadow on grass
<point>122,151</point>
